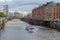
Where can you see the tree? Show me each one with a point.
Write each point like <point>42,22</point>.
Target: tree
<point>3,15</point>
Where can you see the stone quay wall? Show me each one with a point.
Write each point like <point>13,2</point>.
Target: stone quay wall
<point>2,22</point>
<point>50,24</point>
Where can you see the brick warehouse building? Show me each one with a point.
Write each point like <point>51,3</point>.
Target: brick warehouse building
<point>48,11</point>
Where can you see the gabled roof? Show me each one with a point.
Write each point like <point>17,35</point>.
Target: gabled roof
<point>50,4</point>
<point>58,3</point>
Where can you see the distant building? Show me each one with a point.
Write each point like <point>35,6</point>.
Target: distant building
<point>29,15</point>
<point>18,14</point>
<point>11,14</point>
<point>4,8</point>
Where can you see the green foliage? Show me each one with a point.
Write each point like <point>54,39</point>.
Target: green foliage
<point>3,15</point>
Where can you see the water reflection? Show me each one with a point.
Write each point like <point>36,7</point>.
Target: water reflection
<point>15,30</point>
<point>1,33</point>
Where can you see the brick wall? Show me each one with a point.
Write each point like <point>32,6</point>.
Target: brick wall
<point>46,12</point>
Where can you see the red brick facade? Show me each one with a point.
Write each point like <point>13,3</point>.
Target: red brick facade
<point>29,15</point>
<point>49,11</point>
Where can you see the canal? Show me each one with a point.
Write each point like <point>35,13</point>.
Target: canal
<point>15,30</point>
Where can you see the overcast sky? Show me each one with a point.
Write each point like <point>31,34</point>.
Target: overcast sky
<point>24,5</point>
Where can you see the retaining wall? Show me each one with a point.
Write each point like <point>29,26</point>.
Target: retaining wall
<point>2,22</point>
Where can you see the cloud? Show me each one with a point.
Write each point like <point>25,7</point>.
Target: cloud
<point>5,0</point>
<point>25,8</point>
<point>9,0</point>
<point>24,5</point>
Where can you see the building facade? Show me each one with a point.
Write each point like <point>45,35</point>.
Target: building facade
<point>18,14</point>
<point>29,16</point>
<point>4,8</point>
<point>48,11</point>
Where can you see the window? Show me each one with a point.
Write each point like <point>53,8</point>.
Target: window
<point>54,17</point>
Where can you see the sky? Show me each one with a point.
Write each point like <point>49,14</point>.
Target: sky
<point>24,5</point>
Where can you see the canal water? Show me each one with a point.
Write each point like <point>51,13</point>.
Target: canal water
<point>15,30</point>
